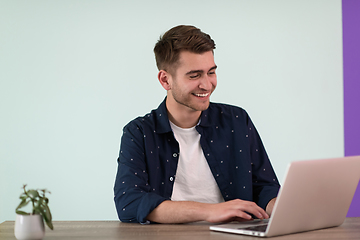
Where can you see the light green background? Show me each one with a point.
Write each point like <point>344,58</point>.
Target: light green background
<point>73,73</point>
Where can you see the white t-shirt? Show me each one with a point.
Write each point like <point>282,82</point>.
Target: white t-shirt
<point>193,180</point>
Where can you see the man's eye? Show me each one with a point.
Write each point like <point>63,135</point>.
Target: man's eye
<point>194,76</point>
<point>211,73</point>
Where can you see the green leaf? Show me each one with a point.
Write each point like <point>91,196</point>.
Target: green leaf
<point>36,210</point>
<point>50,225</point>
<point>49,212</point>
<point>23,203</point>
<point>45,212</point>
<point>23,196</point>
<point>22,212</point>
<point>33,194</point>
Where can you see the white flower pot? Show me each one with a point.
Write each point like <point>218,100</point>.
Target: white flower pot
<point>29,227</point>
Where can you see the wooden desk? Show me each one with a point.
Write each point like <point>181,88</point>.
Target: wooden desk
<point>109,230</point>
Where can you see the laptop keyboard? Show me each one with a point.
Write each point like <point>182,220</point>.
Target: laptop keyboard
<point>259,228</point>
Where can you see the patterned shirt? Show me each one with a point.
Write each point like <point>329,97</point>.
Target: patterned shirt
<point>149,156</point>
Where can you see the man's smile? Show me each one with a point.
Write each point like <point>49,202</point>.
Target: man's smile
<point>201,94</point>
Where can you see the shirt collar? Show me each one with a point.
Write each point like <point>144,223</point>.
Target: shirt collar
<point>162,118</point>
<point>205,118</point>
<point>162,124</point>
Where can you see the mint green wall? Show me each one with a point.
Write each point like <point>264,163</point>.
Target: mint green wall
<point>73,73</point>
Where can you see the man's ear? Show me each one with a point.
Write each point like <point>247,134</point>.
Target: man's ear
<point>164,77</point>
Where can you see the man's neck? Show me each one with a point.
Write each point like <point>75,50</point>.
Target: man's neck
<point>182,116</point>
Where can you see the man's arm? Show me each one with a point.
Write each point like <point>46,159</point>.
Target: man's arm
<point>265,183</point>
<point>133,195</point>
<point>183,212</point>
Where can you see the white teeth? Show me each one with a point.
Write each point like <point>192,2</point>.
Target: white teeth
<point>202,95</point>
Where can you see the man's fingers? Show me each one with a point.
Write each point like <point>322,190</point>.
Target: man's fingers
<point>252,208</point>
<point>244,215</point>
<point>235,209</point>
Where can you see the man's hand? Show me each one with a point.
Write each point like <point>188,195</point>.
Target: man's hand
<point>270,206</point>
<point>183,212</point>
<point>235,210</point>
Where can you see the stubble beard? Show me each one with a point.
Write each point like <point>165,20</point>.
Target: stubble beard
<point>193,107</point>
<point>187,102</point>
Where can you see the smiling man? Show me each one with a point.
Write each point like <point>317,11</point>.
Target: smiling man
<point>190,159</point>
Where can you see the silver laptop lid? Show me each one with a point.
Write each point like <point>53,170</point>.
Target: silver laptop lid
<point>316,194</point>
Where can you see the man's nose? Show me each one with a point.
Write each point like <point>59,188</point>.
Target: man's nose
<point>205,83</point>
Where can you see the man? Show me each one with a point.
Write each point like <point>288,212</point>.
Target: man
<point>192,160</point>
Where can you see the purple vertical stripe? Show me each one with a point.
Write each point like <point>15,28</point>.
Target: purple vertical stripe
<point>351,57</point>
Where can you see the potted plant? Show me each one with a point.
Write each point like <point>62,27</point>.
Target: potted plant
<point>30,225</point>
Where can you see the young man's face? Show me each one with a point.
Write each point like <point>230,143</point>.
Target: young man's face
<point>194,80</point>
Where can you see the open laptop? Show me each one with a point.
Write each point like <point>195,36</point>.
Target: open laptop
<point>315,194</point>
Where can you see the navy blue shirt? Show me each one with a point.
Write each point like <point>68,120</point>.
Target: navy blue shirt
<point>149,156</point>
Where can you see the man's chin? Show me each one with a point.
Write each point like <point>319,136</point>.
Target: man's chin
<point>196,106</point>
<point>202,107</point>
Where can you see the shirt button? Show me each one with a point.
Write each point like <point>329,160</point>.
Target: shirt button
<point>171,179</point>
<point>174,154</point>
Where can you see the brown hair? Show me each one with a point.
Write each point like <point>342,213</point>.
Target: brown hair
<point>178,39</point>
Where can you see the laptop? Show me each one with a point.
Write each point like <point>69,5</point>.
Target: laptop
<point>315,194</point>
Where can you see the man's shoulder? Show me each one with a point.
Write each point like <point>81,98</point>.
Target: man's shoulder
<point>227,109</point>
<point>141,120</point>
<point>156,119</point>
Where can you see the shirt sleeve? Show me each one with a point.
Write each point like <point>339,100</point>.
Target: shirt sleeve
<point>133,198</point>
<point>265,182</point>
